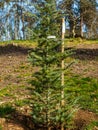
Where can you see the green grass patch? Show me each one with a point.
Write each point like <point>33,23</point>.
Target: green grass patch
<point>76,41</point>
<point>6,110</point>
<point>86,89</point>
<point>25,43</point>
<point>0,127</point>
<point>5,92</point>
<point>21,103</point>
<point>8,90</point>
<point>92,126</point>
<point>68,42</point>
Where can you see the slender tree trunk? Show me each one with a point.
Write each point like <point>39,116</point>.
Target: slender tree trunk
<point>73,30</point>
<point>81,25</point>
<point>22,19</point>
<point>15,28</point>
<point>16,21</point>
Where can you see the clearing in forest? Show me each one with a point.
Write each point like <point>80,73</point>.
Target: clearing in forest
<point>16,74</point>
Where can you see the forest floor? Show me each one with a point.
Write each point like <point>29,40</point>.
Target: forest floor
<point>16,74</point>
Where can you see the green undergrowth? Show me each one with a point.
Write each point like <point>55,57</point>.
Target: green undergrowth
<point>6,110</point>
<point>7,92</point>
<point>25,43</point>
<point>22,102</point>
<point>76,41</point>
<point>85,89</point>
<point>68,41</point>
<point>92,126</point>
<point>0,127</point>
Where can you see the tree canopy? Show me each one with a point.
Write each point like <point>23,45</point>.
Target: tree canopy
<point>17,19</point>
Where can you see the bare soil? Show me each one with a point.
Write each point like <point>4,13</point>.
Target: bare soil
<point>16,72</point>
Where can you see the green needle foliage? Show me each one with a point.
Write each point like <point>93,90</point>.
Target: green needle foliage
<point>47,110</point>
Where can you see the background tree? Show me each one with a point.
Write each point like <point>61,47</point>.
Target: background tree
<point>88,15</point>
<point>80,13</point>
<point>17,21</point>
<point>15,15</point>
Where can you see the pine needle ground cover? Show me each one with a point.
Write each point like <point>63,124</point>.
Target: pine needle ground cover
<point>81,80</point>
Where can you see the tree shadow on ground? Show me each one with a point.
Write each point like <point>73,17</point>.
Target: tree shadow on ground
<point>10,118</point>
<point>85,54</point>
<point>16,120</point>
<point>10,48</point>
<point>79,53</point>
<point>26,122</point>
